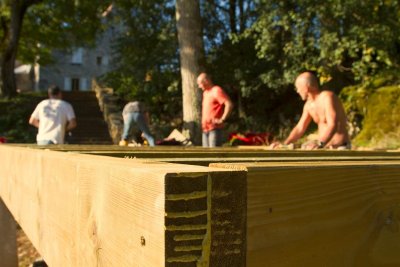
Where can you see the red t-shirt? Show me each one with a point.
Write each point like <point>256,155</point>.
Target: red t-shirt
<point>212,107</point>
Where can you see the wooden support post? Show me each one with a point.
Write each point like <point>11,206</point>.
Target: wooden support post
<point>8,238</point>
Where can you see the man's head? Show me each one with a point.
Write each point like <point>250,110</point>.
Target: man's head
<point>204,81</point>
<point>306,83</point>
<point>54,92</point>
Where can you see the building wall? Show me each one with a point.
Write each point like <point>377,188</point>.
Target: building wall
<point>74,70</point>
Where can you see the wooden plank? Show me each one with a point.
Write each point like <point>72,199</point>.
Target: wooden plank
<point>84,210</point>
<point>315,160</point>
<point>235,154</point>
<point>8,238</point>
<point>329,214</point>
<point>236,151</point>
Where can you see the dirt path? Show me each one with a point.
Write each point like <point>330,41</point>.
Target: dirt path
<point>27,253</point>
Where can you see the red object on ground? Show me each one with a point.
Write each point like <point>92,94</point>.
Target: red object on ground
<point>250,139</point>
<point>3,140</point>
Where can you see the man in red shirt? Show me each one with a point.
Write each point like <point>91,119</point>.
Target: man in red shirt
<point>216,107</point>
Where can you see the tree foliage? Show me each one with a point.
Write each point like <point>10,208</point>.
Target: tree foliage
<point>345,42</point>
<point>35,27</point>
<point>255,49</point>
<point>147,60</point>
<point>354,37</point>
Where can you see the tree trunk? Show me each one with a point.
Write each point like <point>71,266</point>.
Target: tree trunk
<point>241,16</point>
<point>18,10</point>
<point>232,15</point>
<point>190,37</point>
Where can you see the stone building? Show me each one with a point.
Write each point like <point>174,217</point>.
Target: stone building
<point>74,71</point>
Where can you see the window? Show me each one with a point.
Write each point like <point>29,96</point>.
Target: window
<point>75,84</point>
<point>84,85</point>
<point>105,60</point>
<point>67,83</point>
<point>99,61</point>
<point>77,56</point>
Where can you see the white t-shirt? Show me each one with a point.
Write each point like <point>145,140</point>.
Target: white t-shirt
<point>53,115</point>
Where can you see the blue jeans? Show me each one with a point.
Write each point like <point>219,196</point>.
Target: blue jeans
<point>212,138</point>
<point>138,119</point>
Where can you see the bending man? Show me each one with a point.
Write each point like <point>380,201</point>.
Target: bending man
<point>325,109</point>
<point>135,113</point>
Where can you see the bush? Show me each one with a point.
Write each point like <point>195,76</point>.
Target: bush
<point>373,111</point>
<point>14,116</point>
<point>380,127</point>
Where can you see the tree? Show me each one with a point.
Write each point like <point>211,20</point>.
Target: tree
<point>254,50</point>
<point>346,38</point>
<point>147,60</point>
<point>190,37</point>
<point>12,30</point>
<point>53,24</point>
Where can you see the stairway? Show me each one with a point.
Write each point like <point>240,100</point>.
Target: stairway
<point>91,129</point>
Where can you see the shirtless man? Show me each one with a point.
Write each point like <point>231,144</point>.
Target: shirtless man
<point>325,109</point>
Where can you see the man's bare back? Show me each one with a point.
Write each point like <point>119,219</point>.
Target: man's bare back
<point>324,108</point>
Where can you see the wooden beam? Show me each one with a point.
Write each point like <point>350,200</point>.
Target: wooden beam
<point>215,154</point>
<point>315,160</point>
<point>233,151</point>
<point>8,238</point>
<point>84,210</point>
<point>325,214</point>
<point>233,154</point>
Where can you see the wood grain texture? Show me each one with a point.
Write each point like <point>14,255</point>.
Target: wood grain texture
<point>206,161</point>
<point>83,210</point>
<point>251,150</point>
<point>326,214</point>
<point>8,238</point>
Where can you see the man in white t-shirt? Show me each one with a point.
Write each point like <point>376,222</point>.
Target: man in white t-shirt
<point>53,117</point>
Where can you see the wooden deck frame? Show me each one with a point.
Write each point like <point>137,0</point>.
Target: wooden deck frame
<point>84,210</point>
<point>203,156</point>
<point>318,211</point>
<point>330,214</point>
<point>232,151</point>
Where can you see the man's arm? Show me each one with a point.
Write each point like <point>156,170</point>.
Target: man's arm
<point>34,119</point>
<point>71,124</point>
<point>34,122</point>
<point>300,128</point>
<point>228,106</point>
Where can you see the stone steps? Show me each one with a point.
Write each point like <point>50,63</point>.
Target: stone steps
<point>91,129</point>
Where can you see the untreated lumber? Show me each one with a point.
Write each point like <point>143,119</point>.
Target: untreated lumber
<point>204,157</point>
<point>254,151</point>
<point>8,238</point>
<point>85,210</point>
<point>213,153</point>
<point>325,214</point>
<point>316,160</point>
